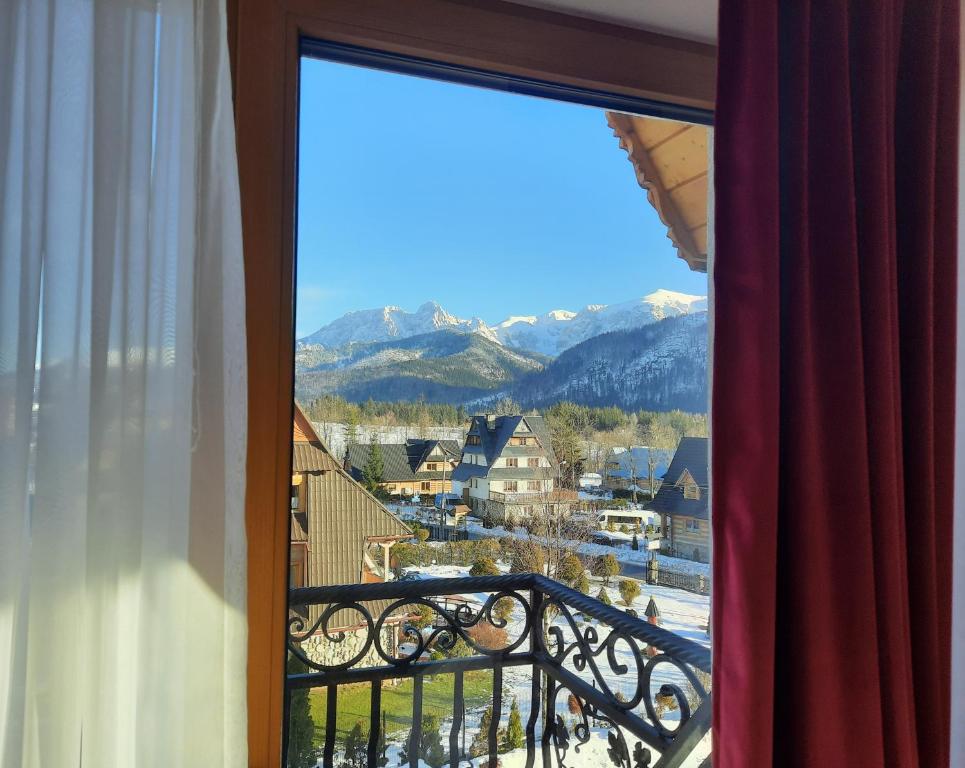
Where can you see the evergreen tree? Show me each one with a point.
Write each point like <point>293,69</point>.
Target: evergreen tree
<point>373,469</point>
<point>514,729</point>
<point>480,742</point>
<point>430,745</point>
<point>635,544</point>
<point>352,427</point>
<point>355,747</point>
<point>301,728</point>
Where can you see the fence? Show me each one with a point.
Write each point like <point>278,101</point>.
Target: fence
<point>666,577</point>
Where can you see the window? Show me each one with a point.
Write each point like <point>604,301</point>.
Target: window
<point>693,526</point>
<point>426,291</point>
<point>294,498</point>
<point>691,491</point>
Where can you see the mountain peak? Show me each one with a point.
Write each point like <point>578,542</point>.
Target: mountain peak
<point>547,334</point>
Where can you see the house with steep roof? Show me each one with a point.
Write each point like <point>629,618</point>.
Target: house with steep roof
<point>638,468</point>
<point>415,467</point>
<point>682,502</point>
<point>340,534</point>
<point>508,469</point>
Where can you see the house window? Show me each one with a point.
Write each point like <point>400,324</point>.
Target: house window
<point>512,462</point>
<point>294,498</point>
<point>532,485</point>
<point>691,491</point>
<point>693,526</point>
<point>432,466</point>
<point>472,440</point>
<point>426,486</point>
<point>532,463</point>
<point>510,486</point>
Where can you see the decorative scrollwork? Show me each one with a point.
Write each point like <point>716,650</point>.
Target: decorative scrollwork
<point>298,632</point>
<point>617,749</point>
<point>586,646</point>
<point>449,627</point>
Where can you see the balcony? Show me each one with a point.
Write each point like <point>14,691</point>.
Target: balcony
<point>534,497</point>
<point>594,681</point>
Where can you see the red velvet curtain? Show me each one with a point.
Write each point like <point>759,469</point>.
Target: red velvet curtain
<point>835,274</point>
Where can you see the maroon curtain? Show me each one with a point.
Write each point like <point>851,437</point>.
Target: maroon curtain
<point>835,278</point>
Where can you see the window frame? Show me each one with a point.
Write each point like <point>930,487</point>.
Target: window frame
<point>515,47</point>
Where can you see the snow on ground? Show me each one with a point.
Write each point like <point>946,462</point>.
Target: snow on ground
<point>683,613</point>
<point>624,554</point>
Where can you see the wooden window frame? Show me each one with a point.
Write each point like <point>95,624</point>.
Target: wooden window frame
<point>574,58</point>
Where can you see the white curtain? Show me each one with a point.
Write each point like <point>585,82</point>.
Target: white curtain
<point>122,388</point>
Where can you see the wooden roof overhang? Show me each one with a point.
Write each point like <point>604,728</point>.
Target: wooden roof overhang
<point>670,162</point>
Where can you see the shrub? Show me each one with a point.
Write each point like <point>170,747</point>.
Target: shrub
<point>485,635</point>
<point>606,567</point>
<point>582,583</point>
<point>484,566</point>
<point>528,558</point>
<point>603,597</point>
<point>425,616</point>
<point>629,591</point>
<point>503,609</point>
<point>422,534</point>
<point>405,554</point>
<point>569,569</point>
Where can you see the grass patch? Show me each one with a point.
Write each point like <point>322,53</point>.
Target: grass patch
<point>354,702</point>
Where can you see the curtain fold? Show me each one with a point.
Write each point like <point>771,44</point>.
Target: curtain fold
<point>833,414</point>
<point>122,388</point>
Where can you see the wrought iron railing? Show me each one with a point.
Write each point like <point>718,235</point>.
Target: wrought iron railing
<point>596,671</point>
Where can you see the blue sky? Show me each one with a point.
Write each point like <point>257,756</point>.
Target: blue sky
<point>490,203</point>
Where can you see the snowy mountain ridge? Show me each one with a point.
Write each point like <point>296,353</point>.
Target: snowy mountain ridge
<point>548,334</point>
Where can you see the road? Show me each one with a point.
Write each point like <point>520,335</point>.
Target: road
<point>634,570</point>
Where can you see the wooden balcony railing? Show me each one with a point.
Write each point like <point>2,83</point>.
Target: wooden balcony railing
<point>534,497</point>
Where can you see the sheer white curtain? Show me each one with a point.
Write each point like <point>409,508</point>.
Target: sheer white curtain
<point>122,388</point>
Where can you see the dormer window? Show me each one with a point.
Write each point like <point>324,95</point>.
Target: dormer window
<point>512,462</point>
<point>691,491</point>
<point>473,440</point>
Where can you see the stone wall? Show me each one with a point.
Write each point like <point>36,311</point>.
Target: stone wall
<point>323,651</point>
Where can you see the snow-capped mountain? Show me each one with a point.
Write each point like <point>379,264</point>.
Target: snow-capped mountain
<point>660,366</point>
<point>445,366</point>
<point>547,334</point>
<point>388,323</point>
<point>559,330</point>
